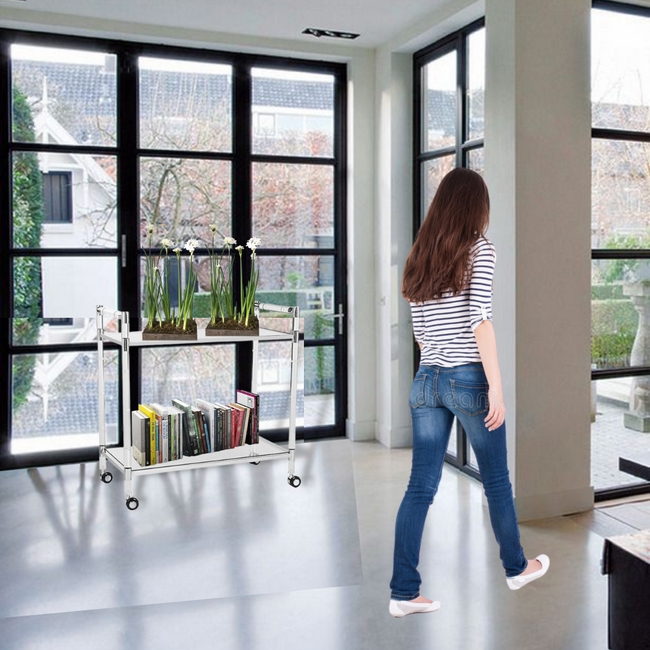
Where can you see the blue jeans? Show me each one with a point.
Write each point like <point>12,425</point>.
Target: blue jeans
<point>438,394</point>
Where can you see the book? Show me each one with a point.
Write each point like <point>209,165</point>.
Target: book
<point>198,417</point>
<point>209,412</point>
<point>226,432</point>
<point>190,445</point>
<point>163,422</point>
<point>207,431</point>
<point>152,432</point>
<point>177,427</point>
<point>239,422</point>
<point>139,436</point>
<point>245,426</point>
<point>252,400</point>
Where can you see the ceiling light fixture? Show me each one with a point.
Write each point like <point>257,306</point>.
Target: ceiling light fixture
<point>312,31</point>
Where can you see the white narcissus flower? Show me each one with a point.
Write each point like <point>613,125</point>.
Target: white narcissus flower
<point>149,229</point>
<point>229,241</point>
<point>191,245</point>
<point>213,227</point>
<point>177,251</point>
<point>239,248</point>
<point>253,242</point>
<point>167,243</point>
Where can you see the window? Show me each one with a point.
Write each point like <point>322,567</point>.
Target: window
<point>57,197</point>
<point>192,138</point>
<point>620,236</point>
<point>58,322</point>
<point>449,91</point>
<point>264,124</point>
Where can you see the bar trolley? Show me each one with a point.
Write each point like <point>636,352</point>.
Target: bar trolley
<point>122,457</point>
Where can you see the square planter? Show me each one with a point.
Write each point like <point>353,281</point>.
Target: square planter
<point>172,335</point>
<point>230,328</point>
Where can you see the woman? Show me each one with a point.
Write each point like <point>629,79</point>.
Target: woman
<point>448,282</point>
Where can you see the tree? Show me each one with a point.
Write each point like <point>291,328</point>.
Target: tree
<point>27,220</point>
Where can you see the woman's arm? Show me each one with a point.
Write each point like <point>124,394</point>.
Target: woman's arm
<point>487,346</point>
<point>480,307</point>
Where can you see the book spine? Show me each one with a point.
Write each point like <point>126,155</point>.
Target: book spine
<point>195,429</point>
<point>221,423</point>
<point>201,431</point>
<point>248,427</point>
<point>213,433</point>
<point>152,439</point>
<point>165,426</point>
<point>207,432</point>
<point>191,436</point>
<point>257,418</point>
<point>180,435</point>
<point>176,438</point>
<point>172,437</point>
<point>147,441</point>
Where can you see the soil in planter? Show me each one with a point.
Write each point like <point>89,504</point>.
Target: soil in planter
<point>170,329</point>
<point>234,324</point>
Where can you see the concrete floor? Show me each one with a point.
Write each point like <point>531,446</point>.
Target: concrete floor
<point>235,558</point>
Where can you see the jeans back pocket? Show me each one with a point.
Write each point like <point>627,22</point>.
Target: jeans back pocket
<point>417,397</point>
<point>470,397</point>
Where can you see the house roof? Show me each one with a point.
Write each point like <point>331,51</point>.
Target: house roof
<point>90,91</point>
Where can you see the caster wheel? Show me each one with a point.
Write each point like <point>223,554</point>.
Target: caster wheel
<point>132,503</point>
<point>294,481</point>
<point>107,477</point>
<point>255,462</point>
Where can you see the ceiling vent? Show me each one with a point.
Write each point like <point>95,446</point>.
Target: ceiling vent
<point>312,31</point>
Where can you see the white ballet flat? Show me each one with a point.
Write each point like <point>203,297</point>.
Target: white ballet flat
<point>517,582</point>
<point>399,608</point>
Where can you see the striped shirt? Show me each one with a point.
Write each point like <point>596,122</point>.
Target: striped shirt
<point>446,328</point>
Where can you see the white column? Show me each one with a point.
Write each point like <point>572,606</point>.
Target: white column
<point>538,171</point>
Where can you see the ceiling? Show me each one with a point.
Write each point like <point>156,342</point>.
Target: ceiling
<point>376,20</point>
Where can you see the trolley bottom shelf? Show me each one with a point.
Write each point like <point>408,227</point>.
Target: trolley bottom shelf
<point>263,450</point>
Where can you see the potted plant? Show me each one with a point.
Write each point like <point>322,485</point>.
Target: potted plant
<point>158,300</point>
<point>225,321</point>
<point>151,291</point>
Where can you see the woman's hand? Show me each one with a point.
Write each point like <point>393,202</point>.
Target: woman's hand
<point>497,413</point>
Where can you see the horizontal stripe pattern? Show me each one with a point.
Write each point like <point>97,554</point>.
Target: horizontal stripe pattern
<point>446,328</point>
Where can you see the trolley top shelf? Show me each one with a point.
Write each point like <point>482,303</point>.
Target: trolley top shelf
<point>135,338</point>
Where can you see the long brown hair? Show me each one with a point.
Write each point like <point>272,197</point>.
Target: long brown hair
<point>458,215</point>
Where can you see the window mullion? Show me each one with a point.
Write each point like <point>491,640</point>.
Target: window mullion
<point>128,197</point>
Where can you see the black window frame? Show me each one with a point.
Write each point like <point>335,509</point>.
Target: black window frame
<point>456,41</point>
<point>641,487</point>
<point>129,251</point>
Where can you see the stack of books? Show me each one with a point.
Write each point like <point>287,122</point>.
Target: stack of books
<point>160,434</point>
